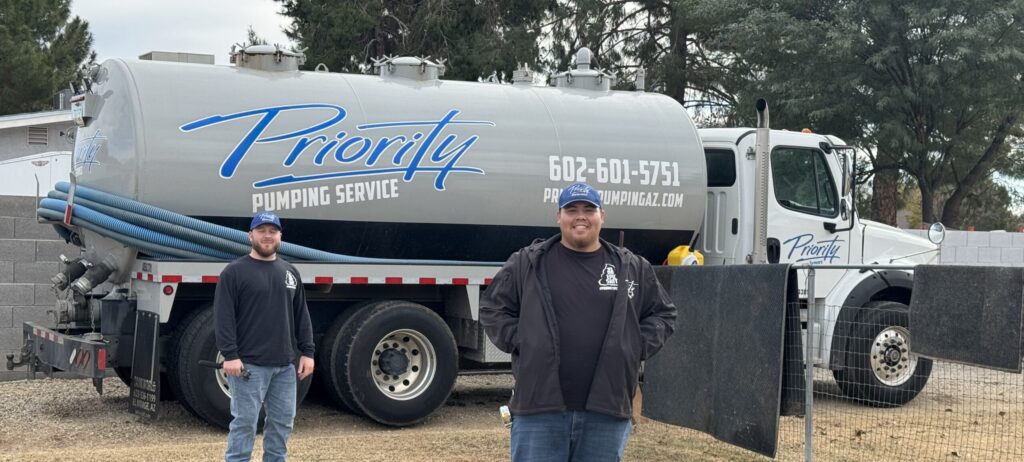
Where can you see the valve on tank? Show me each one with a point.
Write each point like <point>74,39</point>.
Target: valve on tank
<point>73,269</point>
<point>96,275</point>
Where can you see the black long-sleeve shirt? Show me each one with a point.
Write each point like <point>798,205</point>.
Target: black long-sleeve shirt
<point>260,313</point>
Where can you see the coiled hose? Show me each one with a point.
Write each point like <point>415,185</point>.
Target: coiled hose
<point>165,234</point>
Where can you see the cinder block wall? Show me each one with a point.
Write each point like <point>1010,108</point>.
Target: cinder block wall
<point>980,248</point>
<point>29,254</point>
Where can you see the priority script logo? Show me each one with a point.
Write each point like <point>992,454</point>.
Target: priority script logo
<point>579,190</point>
<point>405,147</point>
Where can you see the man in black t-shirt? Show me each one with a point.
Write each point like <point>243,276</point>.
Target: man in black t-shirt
<point>262,324</point>
<point>578,315</point>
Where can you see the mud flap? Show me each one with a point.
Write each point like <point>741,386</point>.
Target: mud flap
<point>969,315</point>
<point>145,387</point>
<point>730,369</point>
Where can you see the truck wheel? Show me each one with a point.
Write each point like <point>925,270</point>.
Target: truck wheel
<point>329,365</point>
<point>202,390</point>
<point>881,369</point>
<point>395,361</point>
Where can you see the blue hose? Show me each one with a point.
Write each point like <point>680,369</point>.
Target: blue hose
<point>133,231</point>
<point>147,247</point>
<point>187,240</point>
<point>159,226</point>
<point>286,249</point>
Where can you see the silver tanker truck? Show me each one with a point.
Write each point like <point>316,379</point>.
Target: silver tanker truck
<point>401,193</point>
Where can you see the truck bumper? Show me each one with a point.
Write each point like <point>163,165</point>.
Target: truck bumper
<point>46,351</point>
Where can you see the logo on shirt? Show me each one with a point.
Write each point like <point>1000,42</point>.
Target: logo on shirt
<point>289,280</point>
<point>608,279</point>
<point>630,288</point>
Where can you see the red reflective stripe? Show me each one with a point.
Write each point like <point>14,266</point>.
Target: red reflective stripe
<point>460,281</point>
<point>488,281</point>
<point>429,281</point>
<point>360,280</point>
<point>210,279</point>
<point>170,278</point>
<point>392,280</point>
<point>67,214</point>
<point>101,359</point>
<point>138,275</point>
<point>323,280</point>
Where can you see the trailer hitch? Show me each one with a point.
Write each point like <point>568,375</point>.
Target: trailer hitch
<point>25,357</point>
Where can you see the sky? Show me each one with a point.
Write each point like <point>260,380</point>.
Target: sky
<point>127,29</point>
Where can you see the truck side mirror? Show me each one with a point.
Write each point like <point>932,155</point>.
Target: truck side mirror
<point>936,233</point>
<point>848,174</point>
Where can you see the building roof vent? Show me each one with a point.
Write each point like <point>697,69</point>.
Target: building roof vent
<point>175,57</point>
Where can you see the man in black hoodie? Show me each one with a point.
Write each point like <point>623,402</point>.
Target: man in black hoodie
<point>578,315</point>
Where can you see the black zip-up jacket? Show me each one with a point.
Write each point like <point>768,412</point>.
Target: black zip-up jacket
<point>518,316</point>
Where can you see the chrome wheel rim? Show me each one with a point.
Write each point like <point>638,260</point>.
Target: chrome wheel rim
<point>222,378</point>
<point>403,364</point>
<point>891,360</point>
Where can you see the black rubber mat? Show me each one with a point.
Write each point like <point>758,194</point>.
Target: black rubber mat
<point>969,314</point>
<point>723,371</point>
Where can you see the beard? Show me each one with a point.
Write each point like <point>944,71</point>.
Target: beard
<point>263,252</point>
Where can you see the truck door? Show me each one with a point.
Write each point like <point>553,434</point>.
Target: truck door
<point>720,236</point>
<point>804,203</point>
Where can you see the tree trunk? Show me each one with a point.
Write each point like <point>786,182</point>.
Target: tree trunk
<point>676,87</point>
<point>927,201</point>
<point>981,169</point>
<point>883,197</point>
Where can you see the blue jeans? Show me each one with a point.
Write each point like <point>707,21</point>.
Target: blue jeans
<point>569,436</point>
<point>269,387</point>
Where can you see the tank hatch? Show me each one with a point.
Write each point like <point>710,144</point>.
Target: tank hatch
<point>267,58</point>
<point>408,67</point>
<point>583,77</point>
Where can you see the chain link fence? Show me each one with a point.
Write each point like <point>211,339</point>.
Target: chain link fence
<point>883,402</point>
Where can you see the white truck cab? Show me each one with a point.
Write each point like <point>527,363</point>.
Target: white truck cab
<point>811,220</point>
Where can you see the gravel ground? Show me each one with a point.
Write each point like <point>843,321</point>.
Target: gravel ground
<point>962,415</point>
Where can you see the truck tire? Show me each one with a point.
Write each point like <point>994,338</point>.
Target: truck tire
<point>202,390</point>
<point>881,370</point>
<point>395,362</point>
<point>339,333</point>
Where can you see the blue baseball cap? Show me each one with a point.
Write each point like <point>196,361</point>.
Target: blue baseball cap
<point>579,192</point>
<point>265,218</point>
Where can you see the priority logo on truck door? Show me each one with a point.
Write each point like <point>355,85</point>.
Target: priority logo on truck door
<point>802,249</point>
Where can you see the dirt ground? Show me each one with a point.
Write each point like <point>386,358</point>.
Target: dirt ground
<point>960,416</point>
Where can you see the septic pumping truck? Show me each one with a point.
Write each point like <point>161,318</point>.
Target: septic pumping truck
<point>401,194</point>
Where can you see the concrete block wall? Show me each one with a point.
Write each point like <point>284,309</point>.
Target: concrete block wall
<point>980,248</point>
<point>29,255</point>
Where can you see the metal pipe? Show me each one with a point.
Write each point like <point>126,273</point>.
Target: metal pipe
<point>809,371</point>
<point>762,147</point>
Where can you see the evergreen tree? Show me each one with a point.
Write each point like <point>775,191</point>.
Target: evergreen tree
<point>474,37</point>
<point>44,51</point>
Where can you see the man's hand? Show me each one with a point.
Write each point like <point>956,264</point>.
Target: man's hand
<point>305,367</point>
<point>233,367</point>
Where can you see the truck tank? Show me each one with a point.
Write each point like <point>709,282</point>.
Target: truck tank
<point>396,165</point>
